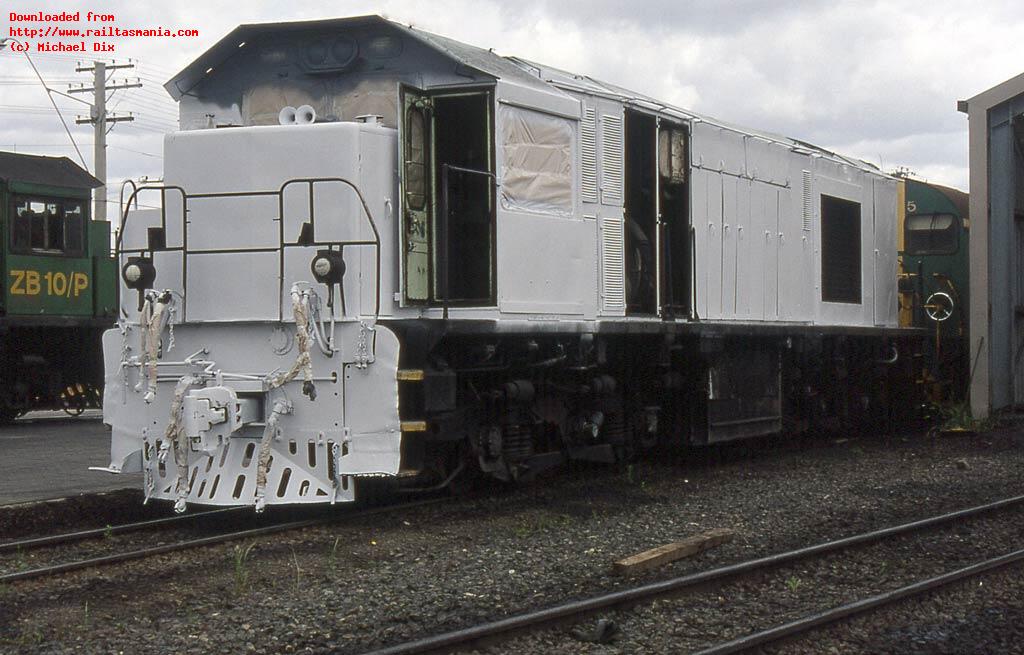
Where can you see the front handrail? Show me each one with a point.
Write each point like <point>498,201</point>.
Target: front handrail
<point>282,243</point>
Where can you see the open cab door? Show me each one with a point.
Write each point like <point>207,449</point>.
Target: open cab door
<point>415,157</point>
<point>448,198</point>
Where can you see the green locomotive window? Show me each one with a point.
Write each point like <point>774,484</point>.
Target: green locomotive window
<point>51,226</point>
<point>931,234</point>
<point>21,236</point>
<point>54,227</point>
<point>74,227</point>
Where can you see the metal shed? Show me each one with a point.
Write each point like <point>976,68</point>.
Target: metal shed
<point>996,119</point>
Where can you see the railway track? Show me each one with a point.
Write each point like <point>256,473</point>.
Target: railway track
<point>96,533</point>
<point>180,545</point>
<point>811,622</point>
<point>516,625</point>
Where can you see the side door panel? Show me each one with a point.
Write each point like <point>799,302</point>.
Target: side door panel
<point>415,159</point>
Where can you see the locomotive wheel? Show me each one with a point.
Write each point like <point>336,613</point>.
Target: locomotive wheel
<point>939,306</point>
<point>72,400</point>
<point>96,397</point>
<point>617,434</point>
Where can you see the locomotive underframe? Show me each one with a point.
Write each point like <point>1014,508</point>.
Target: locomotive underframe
<point>513,401</point>
<point>423,402</point>
<point>44,365</point>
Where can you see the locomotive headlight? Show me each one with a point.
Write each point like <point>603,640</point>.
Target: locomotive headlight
<point>328,267</point>
<point>132,273</point>
<point>321,267</point>
<point>138,273</point>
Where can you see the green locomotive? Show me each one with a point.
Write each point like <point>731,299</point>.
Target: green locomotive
<point>60,288</point>
<point>934,283</point>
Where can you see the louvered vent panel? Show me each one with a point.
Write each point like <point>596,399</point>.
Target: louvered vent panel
<point>808,205</point>
<point>588,136</point>
<point>613,269</point>
<point>611,160</point>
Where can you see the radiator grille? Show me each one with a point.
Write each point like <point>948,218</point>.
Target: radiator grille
<point>588,146</point>
<point>808,205</point>
<point>611,160</point>
<point>613,287</point>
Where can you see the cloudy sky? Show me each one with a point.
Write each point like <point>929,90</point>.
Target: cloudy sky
<point>875,80</point>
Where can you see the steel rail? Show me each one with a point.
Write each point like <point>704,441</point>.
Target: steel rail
<point>531,620</point>
<point>205,541</point>
<point>67,537</point>
<point>827,617</point>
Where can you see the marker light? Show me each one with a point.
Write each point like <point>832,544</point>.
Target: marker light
<point>328,267</point>
<point>321,266</point>
<point>138,273</point>
<point>132,273</point>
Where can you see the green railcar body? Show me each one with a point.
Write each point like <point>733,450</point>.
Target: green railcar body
<point>59,291</point>
<point>936,267</point>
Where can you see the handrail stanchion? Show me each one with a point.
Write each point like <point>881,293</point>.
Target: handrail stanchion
<point>282,244</point>
<point>445,210</point>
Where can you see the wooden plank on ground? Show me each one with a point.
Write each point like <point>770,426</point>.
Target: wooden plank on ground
<point>671,552</point>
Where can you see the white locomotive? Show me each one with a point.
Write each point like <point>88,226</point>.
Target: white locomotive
<point>380,252</point>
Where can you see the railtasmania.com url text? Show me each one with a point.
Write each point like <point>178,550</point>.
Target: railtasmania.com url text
<point>56,25</point>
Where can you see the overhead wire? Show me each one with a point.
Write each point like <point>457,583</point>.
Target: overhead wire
<point>145,128</point>
<point>156,96</point>
<point>158,111</point>
<point>140,65</point>
<point>162,120</point>
<point>13,82</point>
<point>171,118</point>
<point>166,112</point>
<point>49,94</point>
<point>84,143</point>
<point>156,120</point>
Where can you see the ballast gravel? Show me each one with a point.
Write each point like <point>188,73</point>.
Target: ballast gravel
<point>356,586</point>
<point>701,618</point>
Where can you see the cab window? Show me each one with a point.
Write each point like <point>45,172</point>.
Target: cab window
<point>932,234</point>
<point>416,162</point>
<point>47,225</point>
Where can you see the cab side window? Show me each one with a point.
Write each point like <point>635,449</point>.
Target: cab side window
<point>932,234</point>
<point>416,162</point>
<point>74,228</point>
<point>54,227</point>
<point>43,225</point>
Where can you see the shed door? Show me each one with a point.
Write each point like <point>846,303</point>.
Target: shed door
<point>1017,264</point>
<point>415,176</point>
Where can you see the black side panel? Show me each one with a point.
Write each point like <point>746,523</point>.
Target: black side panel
<point>641,213</point>
<point>840,250</point>
<point>462,139</point>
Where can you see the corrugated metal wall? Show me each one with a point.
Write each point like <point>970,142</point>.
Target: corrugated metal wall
<point>1006,253</point>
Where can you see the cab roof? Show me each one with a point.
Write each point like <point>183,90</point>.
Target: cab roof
<point>479,59</point>
<point>517,70</point>
<point>47,171</point>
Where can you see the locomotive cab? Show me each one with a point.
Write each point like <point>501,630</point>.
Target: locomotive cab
<point>934,285</point>
<point>59,289</point>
